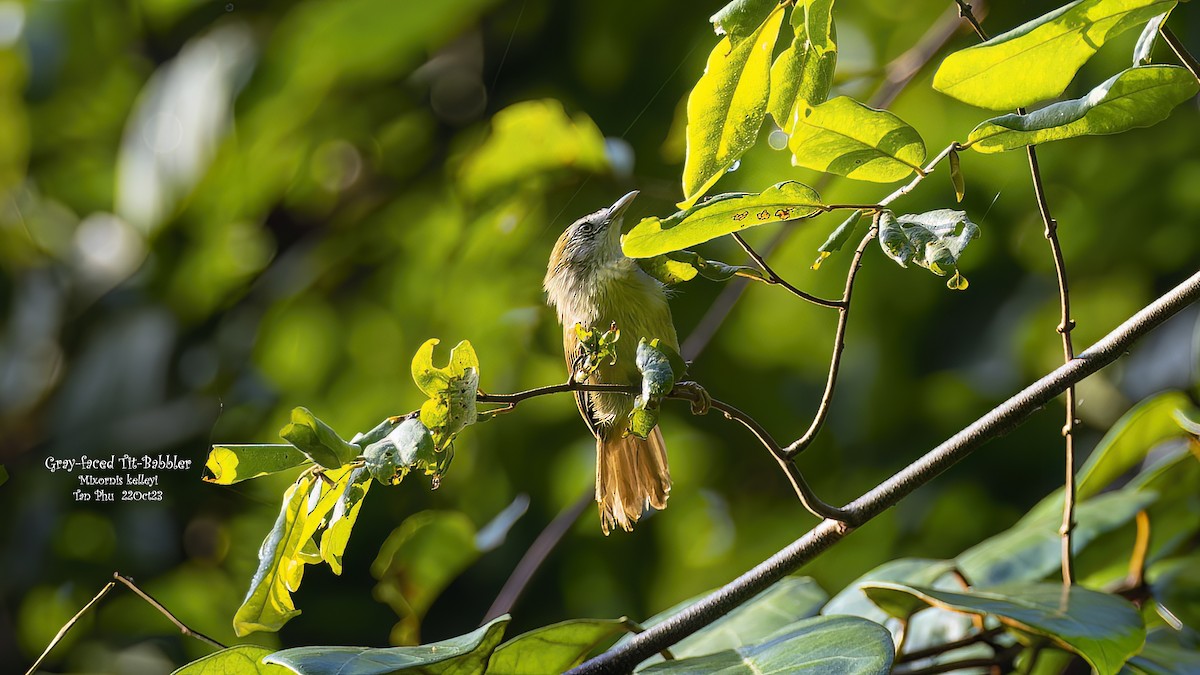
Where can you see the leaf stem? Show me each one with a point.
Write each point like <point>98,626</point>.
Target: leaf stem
<point>1000,658</point>
<point>1181,52</point>
<point>917,655</point>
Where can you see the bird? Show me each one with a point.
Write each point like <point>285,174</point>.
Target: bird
<point>589,281</point>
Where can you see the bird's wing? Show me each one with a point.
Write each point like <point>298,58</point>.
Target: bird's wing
<point>572,350</point>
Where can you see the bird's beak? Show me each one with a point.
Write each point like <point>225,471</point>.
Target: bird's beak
<point>618,209</point>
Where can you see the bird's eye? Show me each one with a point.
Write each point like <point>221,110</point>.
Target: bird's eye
<point>586,227</point>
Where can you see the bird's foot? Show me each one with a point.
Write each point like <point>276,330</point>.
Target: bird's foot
<point>696,394</point>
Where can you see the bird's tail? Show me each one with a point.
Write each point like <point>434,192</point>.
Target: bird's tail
<point>631,474</point>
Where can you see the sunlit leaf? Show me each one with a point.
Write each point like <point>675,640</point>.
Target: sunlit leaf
<point>845,137</point>
<point>451,390</point>
<point>727,107</point>
<point>417,561</point>
<point>553,649</point>
<point>1130,439</point>
<point>530,142</point>
<point>680,266</point>
<point>462,655</point>
<point>229,464</point>
<point>789,600</point>
<point>741,18</point>
<point>408,447</point>
<point>239,660</point>
<point>1032,548</point>
<point>956,177</point>
<point>596,349</point>
<point>934,240</point>
<point>1145,44</point>
<point>317,440</point>
<point>1036,61</point>
<point>1104,629</point>
<point>803,73</point>
<point>343,517</point>
<point>844,644</point>
<point>1138,97</point>
<point>720,216</point>
<point>268,604</point>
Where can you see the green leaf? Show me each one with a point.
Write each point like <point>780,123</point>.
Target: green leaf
<point>719,216</point>
<point>916,571</point>
<point>1138,97</point>
<point>956,177</point>
<point>1036,61</point>
<point>1032,548</point>
<point>779,606</point>
<point>464,655</point>
<point>844,137</point>
<point>844,644</point>
<point>802,74</point>
<point>229,464</point>
<point>406,448</point>
<point>740,18</point>
<point>680,266</point>
<point>1145,44</point>
<point>934,240</point>
<point>596,349</point>
<point>417,561</point>
<point>659,365</point>
<point>268,604</point>
<point>553,649</point>
<point>530,143</point>
<point>343,517</point>
<point>838,237</point>
<point>1104,629</point>
<point>1164,655</point>
<point>1130,439</point>
<point>727,107</point>
<point>317,440</point>
<point>239,659</point>
<point>451,390</point>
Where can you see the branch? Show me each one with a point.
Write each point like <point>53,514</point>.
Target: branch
<point>774,279</point>
<point>1181,52</point>
<point>515,398</point>
<point>1065,325</point>
<point>997,422</point>
<point>839,344</point>
<point>67,626</point>
<point>982,636</point>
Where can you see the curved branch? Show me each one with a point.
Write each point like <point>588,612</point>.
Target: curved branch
<point>517,397</point>
<point>997,422</point>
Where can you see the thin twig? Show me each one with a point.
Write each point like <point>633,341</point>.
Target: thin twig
<point>1064,328</point>
<point>807,497</point>
<point>67,626</point>
<point>917,655</point>
<point>183,628</point>
<point>839,344</point>
<point>535,555</point>
<point>1185,57</point>
<point>555,389</point>
<point>775,279</point>
<point>995,423</point>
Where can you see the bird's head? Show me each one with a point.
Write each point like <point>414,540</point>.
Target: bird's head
<point>594,239</point>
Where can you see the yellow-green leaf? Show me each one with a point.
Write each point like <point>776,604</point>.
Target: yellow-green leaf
<point>451,390</point>
<point>317,440</point>
<point>720,216</point>
<point>845,137</point>
<point>238,660</point>
<point>268,604</point>
<point>727,107</point>
<point>956,177</point>
<point>343,517</point>
<point>679,266</point>
<point>229,464</point>
<point>1036,61</point>
<point>803,73</point>
<point>1138,97</point>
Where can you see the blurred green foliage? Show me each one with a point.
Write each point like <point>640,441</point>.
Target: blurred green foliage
<point>212,213</point>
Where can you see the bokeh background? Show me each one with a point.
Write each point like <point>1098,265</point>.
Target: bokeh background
<point>212,212</point>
